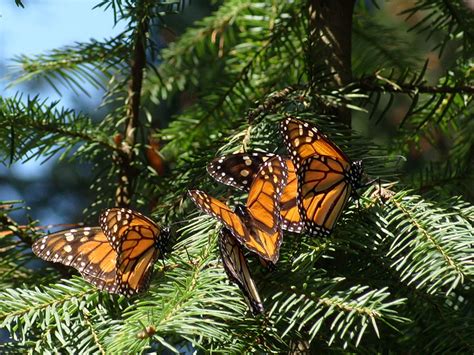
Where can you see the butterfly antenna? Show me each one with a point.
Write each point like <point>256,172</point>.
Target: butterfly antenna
<point>370,182</point>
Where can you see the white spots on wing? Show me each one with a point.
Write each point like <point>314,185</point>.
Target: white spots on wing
<point>69,236</point>
<point>247,161</point>
<point>310,133</point>
<point>48,252</point>
<point>244,173</point>
<point>42,246</point>
<point>67,248</point>
<point>245,182</point>
<point>84,239</point>
<point>296,142</point>
<point>73,230</point>
<point>69,257</point>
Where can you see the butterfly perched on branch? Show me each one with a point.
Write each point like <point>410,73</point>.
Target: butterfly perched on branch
<point>326,176</point>
<point>240,169</point>
<point>116,257</point>
<point>257,224</point>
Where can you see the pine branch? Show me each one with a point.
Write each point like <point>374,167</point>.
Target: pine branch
<point>272,100</point>
<point>378,45</point>
<point>432,258</point>
<point>373,84</point>
<point>183,61</point>
<point>38,129</point>
<point>190,300</point>
<point>451,18</point>
<point>318,306</point>
<point>73,66</point>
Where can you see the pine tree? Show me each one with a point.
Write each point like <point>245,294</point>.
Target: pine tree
<point>397,273</point>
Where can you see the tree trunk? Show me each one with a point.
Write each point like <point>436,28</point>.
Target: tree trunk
<point>330,46</point>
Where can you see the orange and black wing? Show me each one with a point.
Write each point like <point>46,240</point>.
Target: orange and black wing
<point>87,250</point>
<point>326,176</point>
<point>263,207</point>
<point>304,140</point>
<point>240,225</point>
<point>138,242</point>
<point>240,169</point>
<point>238,271</point>
<point>222,212</point>
<point>237,170</point>
<point>323,192</point>
<point>290,215</point>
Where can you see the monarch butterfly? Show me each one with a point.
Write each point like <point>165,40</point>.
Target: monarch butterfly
<point>237,269</point>
<point>116,257</point>
<point>326,176</point>
<point>239,170</point>
<point>257,224</point>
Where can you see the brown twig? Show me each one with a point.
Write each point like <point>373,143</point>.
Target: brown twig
<point>370,84</point>
<point>138,63</point>
<point>274,99</point>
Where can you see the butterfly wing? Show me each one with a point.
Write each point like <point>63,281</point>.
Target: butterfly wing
<point>138,241</point>
<point>263,206</point>
<point>237,170</point>
<point>324,191</point>
<point>290,215</point>
<point>326,176</point>
<point>240,225</point>
<point>222,212</point>
<point>303,141</point>
<point>240,169</point>
<point>238,271</point>
<point>85,249</point>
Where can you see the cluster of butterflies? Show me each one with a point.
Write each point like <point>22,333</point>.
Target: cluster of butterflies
<point>306,191</point>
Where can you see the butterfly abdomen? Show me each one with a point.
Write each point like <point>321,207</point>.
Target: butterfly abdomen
<point>355,175</point>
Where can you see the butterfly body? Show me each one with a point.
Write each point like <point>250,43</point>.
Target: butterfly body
<point>326,177</point>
